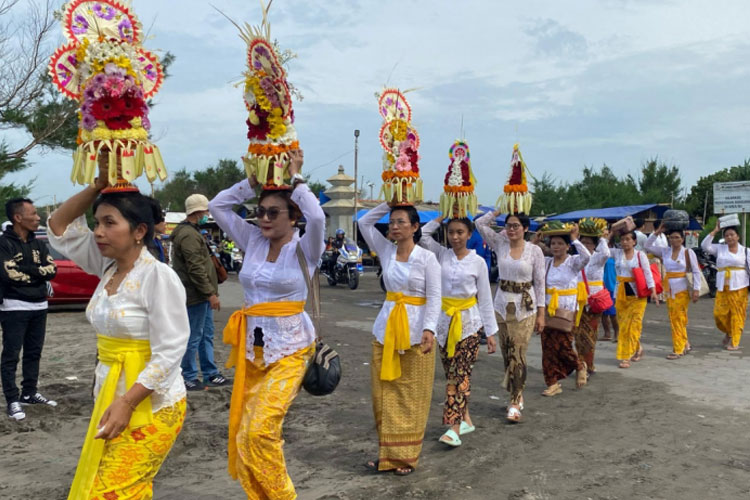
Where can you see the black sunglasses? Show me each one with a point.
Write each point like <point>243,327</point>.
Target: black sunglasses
<point>272,212</point>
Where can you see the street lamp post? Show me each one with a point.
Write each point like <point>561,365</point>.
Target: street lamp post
<point>356,152</point>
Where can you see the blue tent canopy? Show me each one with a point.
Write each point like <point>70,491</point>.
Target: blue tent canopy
<point>424,215</point>
<point>612,214</point>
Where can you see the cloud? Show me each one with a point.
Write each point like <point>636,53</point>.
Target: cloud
<point>553,39</point>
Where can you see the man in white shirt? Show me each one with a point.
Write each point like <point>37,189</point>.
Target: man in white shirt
<point>25,270</point>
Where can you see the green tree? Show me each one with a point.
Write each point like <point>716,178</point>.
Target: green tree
<point>218,177</point>
<point>659,183</point>
<point>172,194</point>
<point>702,193</point>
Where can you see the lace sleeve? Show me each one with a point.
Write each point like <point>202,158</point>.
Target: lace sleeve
<point>77,243</point>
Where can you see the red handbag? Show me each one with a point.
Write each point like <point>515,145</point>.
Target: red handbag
<point>641,287</point>
<point>600,301</point>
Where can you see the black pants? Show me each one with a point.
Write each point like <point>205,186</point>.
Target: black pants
<point>21,330</point>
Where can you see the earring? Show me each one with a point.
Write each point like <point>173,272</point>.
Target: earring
<point>137,242</point>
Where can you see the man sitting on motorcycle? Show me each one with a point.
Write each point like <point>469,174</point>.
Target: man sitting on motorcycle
<point>336,245</point>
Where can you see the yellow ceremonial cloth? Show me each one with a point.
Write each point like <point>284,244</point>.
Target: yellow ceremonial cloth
<point>397,333</point>
<point>121,355</point>
<point>596,283</point>
<point>453,308</point>
<point>672,275</point>
<point>554,300</point>
<point>728,272</point>
<point>235,334</point>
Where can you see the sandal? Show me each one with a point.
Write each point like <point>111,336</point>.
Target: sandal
<point>725,342</point>
<point>514,415</point>
<point>450,438</point>
<point>403,471</point>
<point>465,428</point>
<point>674,355</point>
<point>733,348</point>
<point>638,355</point>
<point>582,376</point>
<point>552,390</point>
<point>373,465</point>
<point>624,363</point>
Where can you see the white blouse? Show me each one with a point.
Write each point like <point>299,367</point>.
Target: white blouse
<point>149,305</point>
<point>595,268</point>
<point>625,268</point>
<point>527,269</point>
<point>565,276</point>
<point>278,281</point>
<point>418,277</point>
<point>676,285</point>
<point>725,258</point>
<point>462,279</point>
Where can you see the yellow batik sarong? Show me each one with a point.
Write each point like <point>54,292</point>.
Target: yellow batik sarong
<point>401,406</point>
<point>730,310</point>
<point>132,459</point>
<point>269,392</point>
<point>453,308</point>
<point>397,333</point>
<point>630,310</point>
<point>678,318</point>
<point>235,334</point>
<point>128,356</point>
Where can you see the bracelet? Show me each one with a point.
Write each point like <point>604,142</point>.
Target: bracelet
<point>128,402</point>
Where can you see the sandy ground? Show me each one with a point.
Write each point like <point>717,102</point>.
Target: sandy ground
<point>661,430</point>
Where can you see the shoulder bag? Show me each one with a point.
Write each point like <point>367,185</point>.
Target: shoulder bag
<point>689,276</point>
<point>324,372</point>
<point>600,301</point>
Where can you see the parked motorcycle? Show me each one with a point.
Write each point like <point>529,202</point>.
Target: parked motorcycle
<point>708,268</point>
<point>236,260</point>
<point>347,267</point>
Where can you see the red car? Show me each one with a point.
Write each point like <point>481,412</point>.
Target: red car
<point>72,285</point>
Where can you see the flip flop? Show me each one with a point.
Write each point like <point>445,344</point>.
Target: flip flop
<point>733,348</point>
<point>674,355</point>
<point>373,465</point>
<point>403,471</point>
<point>452,439</point>
<point>465,428</point>
<point>624,363</point>
<point>638,355</point>
<point>514,415</point>
<point>552,390</point>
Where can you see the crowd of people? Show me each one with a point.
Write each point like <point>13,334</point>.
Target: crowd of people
<point>154,322</point>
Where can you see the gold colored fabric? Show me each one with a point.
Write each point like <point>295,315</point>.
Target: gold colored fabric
<point>678,318</point>
<point>672,275</point>
<point>453,308</point>
<point>730,310</point>
<point>728,272</point>
<point>131,460</point>
<point>397,333</point>
<point>630,310</point>
<point>269,392</point>
<point>126,356</point>
<point>514,341</point>
<point>401,406</point>
<point>235,334</point>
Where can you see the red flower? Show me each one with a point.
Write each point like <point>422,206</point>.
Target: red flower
<point>259,131</point>
<point>104,108</point>
<point>118,111</point>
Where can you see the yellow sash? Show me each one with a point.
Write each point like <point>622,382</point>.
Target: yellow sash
<point>556,293</point>
<point>121,355</point>
<point>235,334</point>
<point>672,275</point>
<point>453,308</point>
<point>622,280</point>
<point>728,272</point>
<point>397,334</point>
<point>596,283</point>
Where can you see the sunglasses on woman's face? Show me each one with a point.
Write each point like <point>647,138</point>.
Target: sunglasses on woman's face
<point>272,212</point>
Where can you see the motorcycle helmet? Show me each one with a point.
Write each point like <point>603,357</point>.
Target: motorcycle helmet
<point>339,231</point>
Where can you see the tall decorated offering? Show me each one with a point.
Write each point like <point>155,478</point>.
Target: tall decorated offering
<point>516,197</point>
<point>104,66</point>
<point>400,142</point>
<point>268,99</point>
<point>458,198</point>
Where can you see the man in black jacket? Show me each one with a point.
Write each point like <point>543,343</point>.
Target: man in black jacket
<point>25,269</point>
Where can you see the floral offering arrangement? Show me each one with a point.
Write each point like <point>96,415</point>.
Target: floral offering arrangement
<point>400,142</point>
<point>458,199</point>
<point>593,227</point>
<point>516,197</point>
<point>105,68</point>
<point>270,122</point>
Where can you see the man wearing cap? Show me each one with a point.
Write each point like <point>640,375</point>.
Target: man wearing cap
<point>191,260</point>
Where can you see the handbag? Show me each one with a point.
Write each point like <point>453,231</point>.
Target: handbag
<point>600,301</point>
<point>689,276</point>
<point>641,287</point>
<point>324,371</point>
<point>563,320</point>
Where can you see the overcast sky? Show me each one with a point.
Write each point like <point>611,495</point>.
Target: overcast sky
<point>577,84</point>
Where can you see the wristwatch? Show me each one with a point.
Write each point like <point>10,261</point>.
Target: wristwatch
<point>298,178</point>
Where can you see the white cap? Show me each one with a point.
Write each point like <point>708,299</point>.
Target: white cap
<point>195,203</point>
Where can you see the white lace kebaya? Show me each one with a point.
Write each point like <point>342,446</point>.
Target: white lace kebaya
<point>149,305</point>
<point>462,279</point>
<point>529,268</point>
<point>565,276</point>
<point>595,268</point>
<point>419,277</point>
<point>278,281</point>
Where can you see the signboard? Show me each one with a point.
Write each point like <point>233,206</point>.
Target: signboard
<point>732,197</point>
